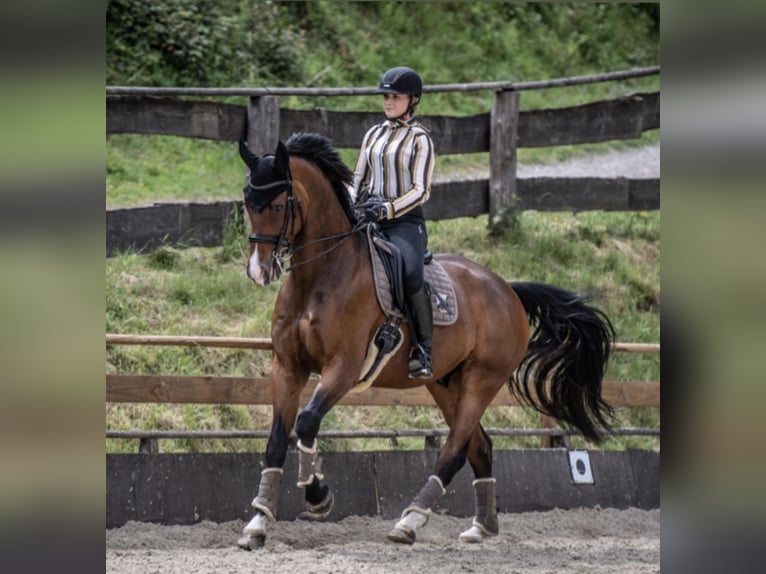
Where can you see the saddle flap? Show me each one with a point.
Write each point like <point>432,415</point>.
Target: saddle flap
<point>391,258</point>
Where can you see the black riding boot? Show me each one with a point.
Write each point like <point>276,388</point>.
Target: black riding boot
<point>422,328</point>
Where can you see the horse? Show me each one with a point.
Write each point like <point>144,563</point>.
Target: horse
<point>546,343</point>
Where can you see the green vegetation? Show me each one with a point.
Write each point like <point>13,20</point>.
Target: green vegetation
<point>325,43</point>
<point>248,43</point>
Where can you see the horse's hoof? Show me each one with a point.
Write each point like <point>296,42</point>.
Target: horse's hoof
<point>473,535</point>
<point>250,541</point>
<point>318,512</point>
<point>401,536</point>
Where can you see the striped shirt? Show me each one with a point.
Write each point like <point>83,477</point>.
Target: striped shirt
<point>395,162</point>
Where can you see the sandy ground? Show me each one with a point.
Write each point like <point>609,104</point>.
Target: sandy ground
<point>561,541</point>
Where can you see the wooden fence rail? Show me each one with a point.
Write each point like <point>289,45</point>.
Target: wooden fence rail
<point>208,389</point>
<point>621,118</point>
<point>255,390</point>
<point>264,343</point>
<point>370,91</point>
<point>204,224</point>
<point>122,388</point>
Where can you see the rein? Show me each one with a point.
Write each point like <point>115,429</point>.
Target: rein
<point>342,236</point>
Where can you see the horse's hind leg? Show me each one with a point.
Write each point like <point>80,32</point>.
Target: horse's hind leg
<point>485,520</point>
<point>462,404</point>
<point>417,513</point>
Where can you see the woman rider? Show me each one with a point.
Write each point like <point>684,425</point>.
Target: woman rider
<point>392,179</point>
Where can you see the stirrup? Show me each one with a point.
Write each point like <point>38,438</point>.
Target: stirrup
<point>419,365</point>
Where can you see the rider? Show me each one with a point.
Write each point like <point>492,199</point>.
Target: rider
<point>392,181</point>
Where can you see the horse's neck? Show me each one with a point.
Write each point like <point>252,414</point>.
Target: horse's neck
<point>325,219</point>
<point>325,247</point>
<point>328,273</point>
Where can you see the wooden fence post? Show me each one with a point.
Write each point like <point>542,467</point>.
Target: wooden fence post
<point>263,124</point>
<point>148,445</point>
<point>433,443</point>
<point>547,441</point>
<point>504,121</point>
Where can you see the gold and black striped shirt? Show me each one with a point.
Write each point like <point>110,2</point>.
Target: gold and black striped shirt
<point>395,162</point>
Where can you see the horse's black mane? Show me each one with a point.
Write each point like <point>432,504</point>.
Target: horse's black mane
<point>318,149</point>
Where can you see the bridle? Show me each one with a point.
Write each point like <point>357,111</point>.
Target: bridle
<point>287,183</point>
<point>283,244</point>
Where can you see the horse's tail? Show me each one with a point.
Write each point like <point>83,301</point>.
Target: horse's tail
<point>562,371</point>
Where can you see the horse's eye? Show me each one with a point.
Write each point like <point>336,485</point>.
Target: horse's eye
<point>278,208</point>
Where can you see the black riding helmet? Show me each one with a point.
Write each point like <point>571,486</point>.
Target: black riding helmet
<point>402,80</point>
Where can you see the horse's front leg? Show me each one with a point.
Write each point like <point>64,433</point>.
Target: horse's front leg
<point>336,380</point>
<point>319,499</point>
<point>286,389</point>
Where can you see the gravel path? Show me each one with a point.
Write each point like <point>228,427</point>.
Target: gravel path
<point>641,163</point>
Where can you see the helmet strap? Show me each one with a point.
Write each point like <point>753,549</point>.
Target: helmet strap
<point>410,108</point>
<point>414,101</point>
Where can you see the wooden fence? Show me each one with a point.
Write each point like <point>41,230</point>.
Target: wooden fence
<point>500,132</point>
<point>122,388</point>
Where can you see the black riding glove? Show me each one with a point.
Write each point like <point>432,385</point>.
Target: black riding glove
<point>373,211</point>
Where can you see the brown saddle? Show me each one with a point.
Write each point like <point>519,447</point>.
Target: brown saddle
<point>443,300</point>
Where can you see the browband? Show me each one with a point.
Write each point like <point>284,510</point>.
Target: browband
<point>259,196</point>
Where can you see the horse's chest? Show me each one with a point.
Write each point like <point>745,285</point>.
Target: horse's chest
<point>320,327</point>
<point>315,330</point>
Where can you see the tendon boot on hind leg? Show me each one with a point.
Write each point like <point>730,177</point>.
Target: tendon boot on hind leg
<point>485,522</point>
<point>254,534</point>
<point>418,512</point>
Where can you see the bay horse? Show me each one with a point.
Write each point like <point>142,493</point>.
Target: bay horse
<point>547,344</point>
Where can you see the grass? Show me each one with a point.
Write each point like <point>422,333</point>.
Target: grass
<point>146,169</point>
<point>203,291</point>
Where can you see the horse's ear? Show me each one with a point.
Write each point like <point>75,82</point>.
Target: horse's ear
<point>247,156</point>
<point>281,158</point>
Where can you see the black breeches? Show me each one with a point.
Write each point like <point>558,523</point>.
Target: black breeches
<point>412,239</point>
